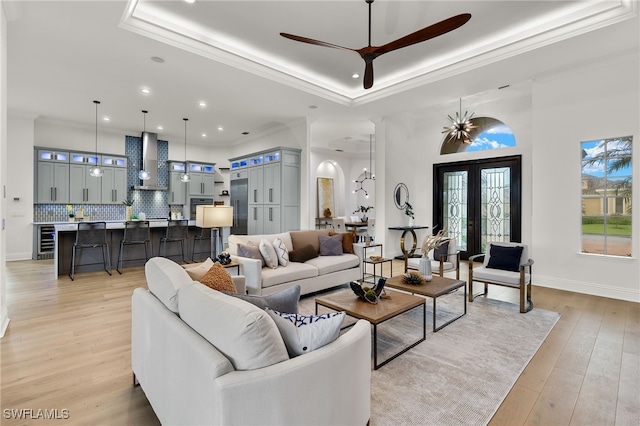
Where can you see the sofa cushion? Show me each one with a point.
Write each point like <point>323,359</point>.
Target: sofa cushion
<point>268,253</point>
<point>281,251</point>
<point>218,278</point>
<point>281,301</point>
<point>330,245</point>
<point>303,254</point>
<point>251,251</point>
<point>304,238</point>
<point>234,240</point>
<point>505,258</point>
<point>347,242</point>
<point>295,271</point>
<point>305,333</point>
<point>328,264</point>
<point>244,333</point>
<point>197,271</point>
<point>164,278</point>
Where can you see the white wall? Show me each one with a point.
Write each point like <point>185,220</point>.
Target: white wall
<point>598,101</point>
<point>20,134</point>
<point>4,315</point>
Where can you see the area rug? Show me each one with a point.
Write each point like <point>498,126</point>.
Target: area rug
<point>461,374</point>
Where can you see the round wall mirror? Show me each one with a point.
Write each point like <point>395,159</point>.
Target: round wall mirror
<point>401,195</point>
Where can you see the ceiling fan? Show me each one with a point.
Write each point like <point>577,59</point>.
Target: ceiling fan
<point>369,53</point>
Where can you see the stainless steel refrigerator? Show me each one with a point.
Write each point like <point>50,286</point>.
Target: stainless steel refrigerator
<point>240,202</point>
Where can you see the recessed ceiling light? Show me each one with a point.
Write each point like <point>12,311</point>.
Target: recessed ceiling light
<point>245,133</point>
<point>145,90</point>
<point>190,1</point>
<point>355,75</point>
<point>106,118</point>
<point>204,135</point>
<point>157,59</point>
<point>202,104</point>
<point>160,128</point>
<point>220,128</point>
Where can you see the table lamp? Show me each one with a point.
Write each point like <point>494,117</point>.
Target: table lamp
<point>214,217</point>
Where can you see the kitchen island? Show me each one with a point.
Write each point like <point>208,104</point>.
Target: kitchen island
<point>91,259</point>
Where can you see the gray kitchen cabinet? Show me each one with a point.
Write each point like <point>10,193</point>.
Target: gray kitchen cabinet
<point>83,188</point>
<point>114,185</point>
<point>177,188</point>
<point>52,176</point>
<point>273,200</point>
<point>202,179</point>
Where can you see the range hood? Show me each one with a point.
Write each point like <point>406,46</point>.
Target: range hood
<point>150,163</point>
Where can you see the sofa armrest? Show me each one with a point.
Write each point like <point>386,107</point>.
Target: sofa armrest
<point>240,284</point>
<point>331,385</point>
<point>252,271</point>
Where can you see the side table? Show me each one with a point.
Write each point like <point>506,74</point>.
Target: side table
<point>375,263</point>
<point>406,254</point>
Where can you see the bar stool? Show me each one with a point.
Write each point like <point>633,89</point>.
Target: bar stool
<point>205,235</point>
<point>91,235</point>
<point>135,232</point>
<point>177,232</point>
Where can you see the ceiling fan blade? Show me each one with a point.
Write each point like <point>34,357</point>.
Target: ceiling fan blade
<point>368,74</point>
<point>426,33</point>
<point>312,41</point>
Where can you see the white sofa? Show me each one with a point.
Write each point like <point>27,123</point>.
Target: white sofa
<point>313,275</point>
<point>188,381</point>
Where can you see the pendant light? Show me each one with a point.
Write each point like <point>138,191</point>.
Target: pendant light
<point>96,171</point>
<point>185,177</point>
<point>366,174</point>
<point>144,173</point>
<point>461,127</point>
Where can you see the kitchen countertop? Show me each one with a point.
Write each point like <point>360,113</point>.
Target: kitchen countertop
<point>111,224</point>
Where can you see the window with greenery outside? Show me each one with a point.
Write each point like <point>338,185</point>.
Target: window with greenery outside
<point>606,196</point>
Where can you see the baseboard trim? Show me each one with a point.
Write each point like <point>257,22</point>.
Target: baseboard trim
<point>18,256</point>
<point>5,321</point>
<point>603,290</point>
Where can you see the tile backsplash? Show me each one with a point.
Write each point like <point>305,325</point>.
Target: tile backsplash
<point>153,203</point>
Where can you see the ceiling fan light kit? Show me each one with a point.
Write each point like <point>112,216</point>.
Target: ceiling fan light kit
<point>369,53</point>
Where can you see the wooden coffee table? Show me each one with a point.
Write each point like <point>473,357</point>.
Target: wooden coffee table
<point>438,286</point>
<point>398,303</point>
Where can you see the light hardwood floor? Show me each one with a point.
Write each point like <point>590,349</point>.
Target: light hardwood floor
<point>68,348</point>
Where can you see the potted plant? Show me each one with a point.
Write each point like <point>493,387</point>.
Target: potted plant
<point>129,213</point>
<point>364,210</point>
<point>72,215</point>
<point>430,242</point>
<point>408,210</point>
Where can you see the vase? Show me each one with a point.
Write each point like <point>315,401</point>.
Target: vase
<point>425,268</point>
<point>129,213</point>
<point>72,219</point>
<point>410,221</point>
<point>364,219</point>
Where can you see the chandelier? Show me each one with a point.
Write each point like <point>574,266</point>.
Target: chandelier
<point>366,175</point>
<point>461,126</point>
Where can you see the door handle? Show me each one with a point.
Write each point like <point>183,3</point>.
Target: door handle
<point>270,214</point>
<point>255,213</point>
<point>271,195</point>
<point>255,195</point>
<point>55,194</point>
<point>51,194</point>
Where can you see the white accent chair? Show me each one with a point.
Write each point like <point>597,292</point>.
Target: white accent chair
<point>447,263</point>
<point>519,277</point>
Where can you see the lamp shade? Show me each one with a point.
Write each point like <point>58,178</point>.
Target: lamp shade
<point>214,216</point>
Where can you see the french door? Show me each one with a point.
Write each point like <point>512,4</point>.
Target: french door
<point>478,201</point>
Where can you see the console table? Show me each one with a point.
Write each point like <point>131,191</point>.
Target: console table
<point>406,254</point>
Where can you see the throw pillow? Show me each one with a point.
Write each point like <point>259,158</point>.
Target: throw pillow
<point>505,258</point>
<point>305,333</point>
<point>330,245</point>
<point>300,239</point>
<point>218,278</point>
<point>245,334</point>
<point>268,253</point>
<point>281,301</point>
<point>281,252</point>
<point>251,251</point>
<point>197,271</point>
<point>443,250</point>
<point>347,242</point>
<point>303,254</point>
